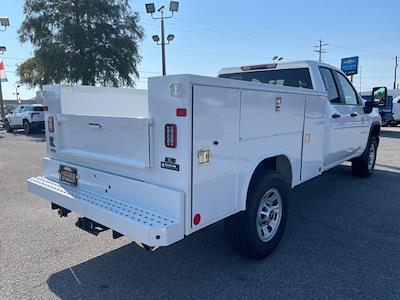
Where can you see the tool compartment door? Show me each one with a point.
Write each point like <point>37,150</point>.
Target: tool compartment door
<point>215,147</point>
<point>113,141</point>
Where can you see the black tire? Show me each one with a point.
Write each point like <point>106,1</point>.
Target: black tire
<point>27,127</point>
<point>7,126</point>
<point>243,230</point>
<point>364,165</point>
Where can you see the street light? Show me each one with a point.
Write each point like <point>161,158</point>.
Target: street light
<point>170,38</point>
<point>156,38</point>
<point>3,49</point>
<point>173,6</point>
<point>5,22</point>
<point>277,59</point>
<point>151,9</point>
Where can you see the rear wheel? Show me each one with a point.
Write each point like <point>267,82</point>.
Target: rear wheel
<point>364,165</point>
<point>7,126</point>
<point>257,231</point>
<point>27,127</point>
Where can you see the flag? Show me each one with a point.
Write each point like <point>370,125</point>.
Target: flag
<point>3,76</point>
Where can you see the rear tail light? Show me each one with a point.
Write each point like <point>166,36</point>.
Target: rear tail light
<point>46,108</point>
<point>50,124</point>
<point>170,135</point>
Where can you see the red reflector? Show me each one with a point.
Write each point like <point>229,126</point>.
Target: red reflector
<point>50,124</point>
<point>46,108</point>
<point>196,219</point>
<point>181,112</point>
<point>170,135</point>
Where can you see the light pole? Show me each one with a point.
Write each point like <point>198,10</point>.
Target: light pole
<point>17,94</point>
<point>276,59</point>
<point>150,9</point>
<point>4,22</point>
<point>2,50</point>
<point>396,64</point>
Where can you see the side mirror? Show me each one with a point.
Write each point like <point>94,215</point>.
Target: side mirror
<point>368,106</point>
<point>379,96</point>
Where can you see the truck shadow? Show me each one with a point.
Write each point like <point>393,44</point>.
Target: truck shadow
<point>390,134</point>
<point>37,136</point>
<point>338,229</point>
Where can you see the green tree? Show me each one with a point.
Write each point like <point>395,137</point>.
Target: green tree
<point>81,41</point>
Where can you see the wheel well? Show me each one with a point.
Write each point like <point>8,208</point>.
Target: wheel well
<point>279,163</point>
<point>376,130</point>
<point>25,120</point>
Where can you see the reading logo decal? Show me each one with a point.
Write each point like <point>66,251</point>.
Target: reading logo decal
<point>170,164</point>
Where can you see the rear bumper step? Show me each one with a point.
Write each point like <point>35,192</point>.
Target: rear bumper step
<point>101,212</point>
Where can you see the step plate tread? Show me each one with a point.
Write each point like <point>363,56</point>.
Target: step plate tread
<point>127,211</point>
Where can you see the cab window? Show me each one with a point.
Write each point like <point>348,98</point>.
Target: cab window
<point>349,94</point>
<point>330,85</point>
<point>299,78</point>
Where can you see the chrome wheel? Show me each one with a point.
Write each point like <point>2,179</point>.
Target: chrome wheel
<point>371,157</point>
<point>269,214</point>
<point>27,128</point>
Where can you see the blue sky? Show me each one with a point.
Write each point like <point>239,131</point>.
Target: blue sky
<point>215,34</point>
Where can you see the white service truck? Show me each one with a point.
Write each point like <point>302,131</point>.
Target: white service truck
<point>157,166</point>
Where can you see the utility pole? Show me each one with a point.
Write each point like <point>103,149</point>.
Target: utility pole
<point>396,63</point>
<point>150,9</point>
<point>320,48</point>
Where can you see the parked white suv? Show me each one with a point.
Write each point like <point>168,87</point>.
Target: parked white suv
<point>29,117</point>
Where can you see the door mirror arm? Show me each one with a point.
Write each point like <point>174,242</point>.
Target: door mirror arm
<point>368,107</point>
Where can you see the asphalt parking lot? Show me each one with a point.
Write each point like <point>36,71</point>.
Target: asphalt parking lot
<point>342,241</point>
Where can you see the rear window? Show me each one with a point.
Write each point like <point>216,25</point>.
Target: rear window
<point>289,77</point>
<point>38,108</point>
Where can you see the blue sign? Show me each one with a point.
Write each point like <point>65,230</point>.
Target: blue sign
<point>350,65</point>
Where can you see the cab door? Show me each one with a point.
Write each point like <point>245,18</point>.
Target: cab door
<point>356,122</point>
<point>347,125</point>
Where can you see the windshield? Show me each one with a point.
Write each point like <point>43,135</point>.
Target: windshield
<point>287,77</point>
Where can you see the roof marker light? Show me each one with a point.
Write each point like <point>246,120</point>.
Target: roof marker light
<point>259,67</point>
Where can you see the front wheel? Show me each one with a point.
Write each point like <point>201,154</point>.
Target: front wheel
<point>257,231</point>
<point>364,165</point>
<point>27,127</point>
<point>7,126</point>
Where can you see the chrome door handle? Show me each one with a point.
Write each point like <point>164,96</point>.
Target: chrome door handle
<point>335,116</point>
<point>354,114</point>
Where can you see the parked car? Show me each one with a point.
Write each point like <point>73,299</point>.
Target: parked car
<point>29,117</point>
<point>202,149</point>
